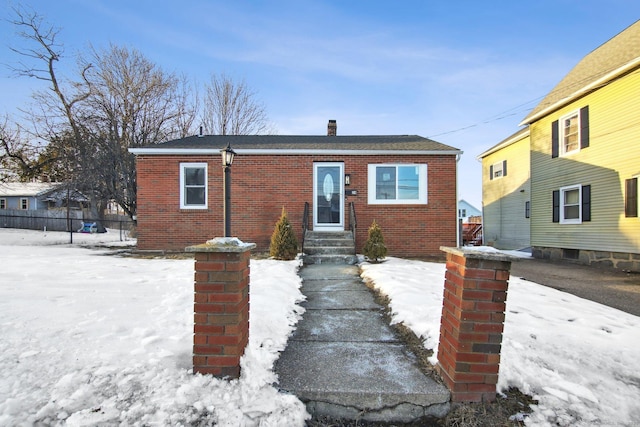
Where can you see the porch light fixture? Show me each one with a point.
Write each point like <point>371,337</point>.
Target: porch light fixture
<point>227,160</point>
<point>347,179</point>
<point>227,155</point>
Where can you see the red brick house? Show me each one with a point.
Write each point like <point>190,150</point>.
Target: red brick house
<point>406,183</point>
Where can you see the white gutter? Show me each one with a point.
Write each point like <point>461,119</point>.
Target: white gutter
<point>262,151</point>
<point>588,88</point>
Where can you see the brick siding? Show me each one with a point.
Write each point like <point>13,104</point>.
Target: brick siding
<point>263,184</point>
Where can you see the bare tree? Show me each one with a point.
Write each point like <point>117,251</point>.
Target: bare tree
<point>133,103</point>
<point>118,100</point>
<point>15,153</point>
<point>231,108</point>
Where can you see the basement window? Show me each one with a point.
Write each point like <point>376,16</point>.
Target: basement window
<point>570,253</point>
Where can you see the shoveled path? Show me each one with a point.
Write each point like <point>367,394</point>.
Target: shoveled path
<point>344,361</point>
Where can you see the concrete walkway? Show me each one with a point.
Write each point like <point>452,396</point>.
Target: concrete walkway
<point>344,361</point>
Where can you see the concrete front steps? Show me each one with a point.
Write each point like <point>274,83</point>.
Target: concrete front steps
<point>324,247</point>
<point>345,362</point>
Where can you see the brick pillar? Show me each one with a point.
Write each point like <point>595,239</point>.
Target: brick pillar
<point>475,293</point>
<point>221,306</point>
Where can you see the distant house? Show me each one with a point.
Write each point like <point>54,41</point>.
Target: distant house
<point>406,183</point>
<point>466,210</point>
<point>506,192</point>
<point>584,162</point>
<point>33,196</point>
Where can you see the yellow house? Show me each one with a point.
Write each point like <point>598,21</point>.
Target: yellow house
<point>585,159</point>
<point>506,192</point>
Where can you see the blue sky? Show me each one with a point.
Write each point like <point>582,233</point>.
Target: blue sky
<point>463,73</point>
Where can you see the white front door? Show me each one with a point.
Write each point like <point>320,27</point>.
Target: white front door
<point>328,196</point>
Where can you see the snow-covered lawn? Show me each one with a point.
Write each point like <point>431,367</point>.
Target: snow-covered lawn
<point>89,338</point>
<point>92,339</point>
<point>580,359</point>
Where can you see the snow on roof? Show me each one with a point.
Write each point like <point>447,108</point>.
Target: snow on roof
<point>27,189</point>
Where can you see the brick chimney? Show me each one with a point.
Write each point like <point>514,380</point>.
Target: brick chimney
<point>332,128</point>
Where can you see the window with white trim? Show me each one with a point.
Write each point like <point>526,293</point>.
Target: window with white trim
<point>397,184</point>
<point>193,186</point>
<point>24,204</point>
<point>570,133</point>
<point>498,170</point>
<point>570,203</point>
<point>3,203</point>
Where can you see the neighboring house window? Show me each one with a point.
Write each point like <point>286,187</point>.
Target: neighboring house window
<point>572,204</point>
<point>498,170</point>
<point>24,204</point>
<point>462,213</point>
<point>193,185</point>
<point>398,184</point>
<point>3,203</point>
<point>527,209</point>
<point>571,133</point>
<point>631,198</point>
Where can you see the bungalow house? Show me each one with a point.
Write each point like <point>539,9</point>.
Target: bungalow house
<point>506,192</point>
<point>584,161</point>
<point>406,183</point>
<point>24,195</point>
<point>33,196</point>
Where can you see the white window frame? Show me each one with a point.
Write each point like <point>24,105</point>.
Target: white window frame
<point>564,190</point>
<point>3,203</point>
<point>562,134</point>
<point>23,202</point>
<point>497,168</point>
<point>183,193</point>
<point>422,185</point>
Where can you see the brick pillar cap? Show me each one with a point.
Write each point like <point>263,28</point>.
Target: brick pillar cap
<point>485,252</point>
<point>222,244</point>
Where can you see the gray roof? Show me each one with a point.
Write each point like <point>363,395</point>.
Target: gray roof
<point>387,143</point>
<point>607,62</point>
<point>26,189</point>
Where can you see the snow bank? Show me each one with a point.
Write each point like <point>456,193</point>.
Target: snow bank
<point>577,357</point>
<point>87,338</point>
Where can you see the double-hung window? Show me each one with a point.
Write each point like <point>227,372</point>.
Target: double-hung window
<point>3,203</point>
<point>193,186</point>
<point>24,204</point>
<point>570,133</point>
<point>572,204</point>
<point>498,170</point>
<point>397,184</point>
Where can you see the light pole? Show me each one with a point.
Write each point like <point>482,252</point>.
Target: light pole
<point>227,160</point>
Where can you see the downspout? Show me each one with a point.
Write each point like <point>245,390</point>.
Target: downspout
<point>458,157</point>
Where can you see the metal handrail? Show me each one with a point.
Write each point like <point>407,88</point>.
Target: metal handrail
<point>305,223</point>
<point>353,223</point>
